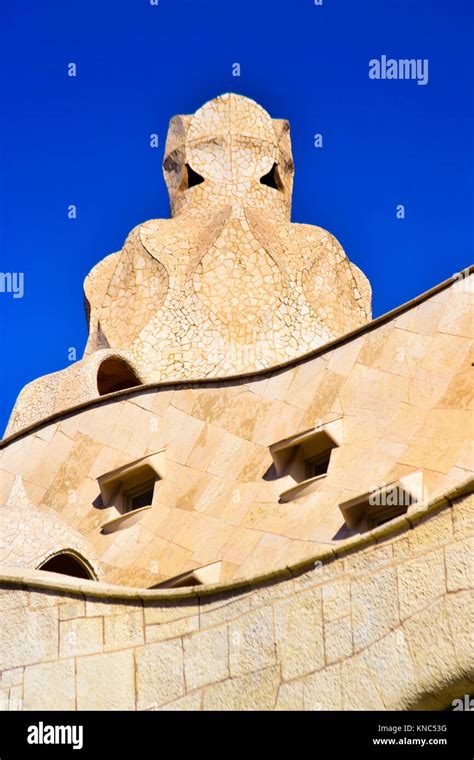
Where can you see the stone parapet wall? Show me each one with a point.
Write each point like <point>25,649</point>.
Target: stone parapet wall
<point>388,625</point>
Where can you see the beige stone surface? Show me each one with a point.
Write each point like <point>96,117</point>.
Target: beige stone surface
<point>206,658</point>
<point>290,696</point>
<point>106,681</point>
<point>459,559</point>
<point>319,640</point>
<point>359,686</point>
<point>81,636</point>
<point>216,501</point>
<point>323,690</point>
<point>420,581</point>
<point>252,642</point>
<point>374,607</point>
<point>50,685</point>
<point>460,606</point>
<point>255,691</point>
<point>28,636</point>
<point>160,674</point>
<point>191,702</point>
<point>392,669</point>
<point>430,636</point>
<point>338,639</point>
<point>126,627</point>
<point>250,333</point>
<point>299,634</point>
<point>336,600</point>
<point>75,608</point>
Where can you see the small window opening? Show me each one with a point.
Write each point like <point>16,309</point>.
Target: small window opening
<point>378,514</point>
<point>384,503</point>
<point>305,458</point>
<point>317,465</point>
<point>193,177</point>
<point>67,564</point>
<point>115,375</point>
<point>141,496</point>
<point>131,488</point>
<point>272,179</point>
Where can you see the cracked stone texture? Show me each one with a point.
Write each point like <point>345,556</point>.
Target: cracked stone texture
<point>225,286</point>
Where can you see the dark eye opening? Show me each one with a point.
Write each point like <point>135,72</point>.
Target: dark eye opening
<point>272,179</point>
<point>193,177</point>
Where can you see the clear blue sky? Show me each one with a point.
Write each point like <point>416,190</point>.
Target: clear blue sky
<point>85,140</point>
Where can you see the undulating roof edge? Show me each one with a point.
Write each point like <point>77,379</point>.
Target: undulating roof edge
<point>39,580</point>
<point>248,376</point>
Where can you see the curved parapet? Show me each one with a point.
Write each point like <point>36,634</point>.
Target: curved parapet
<point>385,625</point>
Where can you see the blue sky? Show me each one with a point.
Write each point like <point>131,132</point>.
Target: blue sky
<point>85,140</point>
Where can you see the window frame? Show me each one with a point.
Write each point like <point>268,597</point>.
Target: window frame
<point>290,457</point>
<point>138,490</point>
